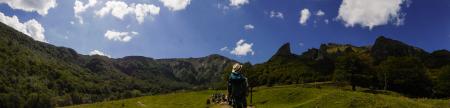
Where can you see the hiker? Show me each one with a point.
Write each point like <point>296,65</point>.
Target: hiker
<point>237,87</point>
<point>208,101</point>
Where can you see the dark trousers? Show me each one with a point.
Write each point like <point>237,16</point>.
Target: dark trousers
<point>239,102</point>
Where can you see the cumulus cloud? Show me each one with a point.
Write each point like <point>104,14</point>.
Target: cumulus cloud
<point>320,13</point>
<point>39,6</point>
<point>242,48</point>
<point>224,49</point>
<point>120,36</point>
<point>119,9</point>
<point>143,10</point>
<point>79,7</point>
<point>97,52</point>
<point>275,14</point>
<point>31,27</point>
<point>238,3</point>
<point>370,13</point>
<point>326,21</point>
<point>176,5</point>
<point>304,16</point>
<point>249,27</point>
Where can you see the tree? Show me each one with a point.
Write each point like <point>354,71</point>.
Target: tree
<point>406,75</point>
<point>11,100</point>
<point>349,68</point>
<point>442,86</point>
<point>38,101</point>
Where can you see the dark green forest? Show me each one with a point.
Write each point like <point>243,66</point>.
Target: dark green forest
<point>386,65</point>
<point>36,74</point>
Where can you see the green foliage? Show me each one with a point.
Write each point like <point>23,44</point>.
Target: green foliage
<point>11,101</point>
<point>402,72</point>
<point>351,68</point>
<point>277,72</point>
<point>41,75</point>
<point>442,86</point>
<point>38,101</point>
<point>406,75</point>
<point>385,47</point>
<point>438,59</point>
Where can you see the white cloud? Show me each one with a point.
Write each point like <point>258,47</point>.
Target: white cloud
<point>275,14</point>
<point>301,44</point>
<point>39,6</point>
<point>304,16</point>
<point>134,33</point>
<point>224,49</point>
<point>97,52</point>
<point>143,10</point>
<point>326,21</point>
<point>370,13</point>
<point>31,27</point>
<point>79,7</point>
<point>176,5</point>
<point>242,48</point>
<point>119,9</point>
<point>223,7</point>
<point>249,27</point>
<point>238,3</point>
<point>320,13</point>
<point>120,36</point>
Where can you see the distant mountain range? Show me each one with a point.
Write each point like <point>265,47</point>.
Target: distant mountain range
<point>381,49</point>
<point>37,74</point>
<point>387,64</point>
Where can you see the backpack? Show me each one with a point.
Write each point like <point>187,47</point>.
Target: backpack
<point>237,85</point>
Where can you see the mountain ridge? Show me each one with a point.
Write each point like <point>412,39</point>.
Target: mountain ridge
<point>387,64</point>
<point>63,77</point>
<point>44,75</point>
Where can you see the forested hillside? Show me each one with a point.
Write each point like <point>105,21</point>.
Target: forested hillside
<point>386,65</point>
<point>37,74</point>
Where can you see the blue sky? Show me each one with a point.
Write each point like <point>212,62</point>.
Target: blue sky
<point>245,30</point>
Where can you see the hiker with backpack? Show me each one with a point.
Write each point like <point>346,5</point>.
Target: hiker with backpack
<point>237,87</point>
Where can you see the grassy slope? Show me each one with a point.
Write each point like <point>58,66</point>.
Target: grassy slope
<point>280,97</point>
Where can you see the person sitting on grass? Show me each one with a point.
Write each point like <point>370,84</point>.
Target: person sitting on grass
<point>237,87</point>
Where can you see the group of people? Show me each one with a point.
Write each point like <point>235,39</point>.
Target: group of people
<point>217,98</point>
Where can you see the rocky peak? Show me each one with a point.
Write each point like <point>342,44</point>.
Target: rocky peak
<point>283,53</point>
<point>384,47</point>
<point>284,50</point>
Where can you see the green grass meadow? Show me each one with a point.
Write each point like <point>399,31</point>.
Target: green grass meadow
<point>292,96</point>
